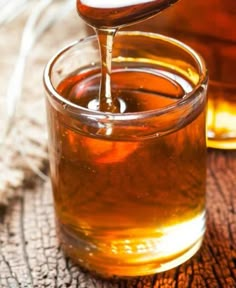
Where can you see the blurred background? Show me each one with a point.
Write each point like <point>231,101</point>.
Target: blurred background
<point>208,27</point>
<point>31,31</point>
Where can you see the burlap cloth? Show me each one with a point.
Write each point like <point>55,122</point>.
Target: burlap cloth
<point>23,157</point>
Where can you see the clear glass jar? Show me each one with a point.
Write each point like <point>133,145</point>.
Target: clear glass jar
<point>128,187</point>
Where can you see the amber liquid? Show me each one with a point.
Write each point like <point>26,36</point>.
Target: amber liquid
<point>106,19</point>
<point>212,35</point>
<point>127,207</point>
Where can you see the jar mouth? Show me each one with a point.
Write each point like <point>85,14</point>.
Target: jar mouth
<point>76,109</point>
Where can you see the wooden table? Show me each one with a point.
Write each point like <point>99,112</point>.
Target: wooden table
<point>31,257</point>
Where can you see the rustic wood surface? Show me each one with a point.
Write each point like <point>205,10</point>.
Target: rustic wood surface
<point>31,257</point>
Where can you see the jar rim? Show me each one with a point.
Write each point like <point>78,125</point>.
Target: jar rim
<point>74,108</point>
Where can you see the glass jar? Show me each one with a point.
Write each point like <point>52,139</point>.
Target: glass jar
<point>208,27</point>
<point>126,184</point>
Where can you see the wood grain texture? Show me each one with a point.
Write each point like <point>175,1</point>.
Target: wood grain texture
<point>31,257</point>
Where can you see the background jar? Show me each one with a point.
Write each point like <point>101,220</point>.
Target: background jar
<point>208,27</point>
